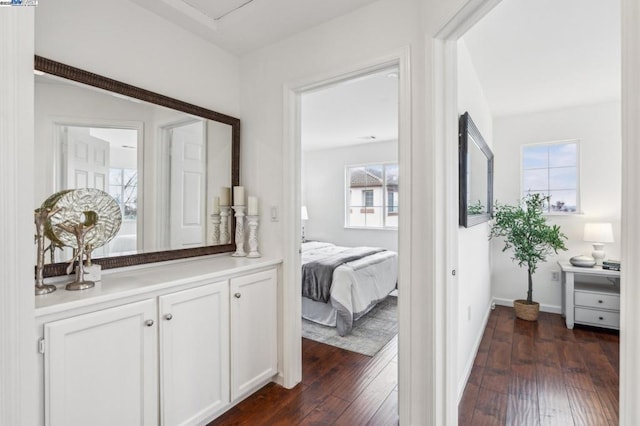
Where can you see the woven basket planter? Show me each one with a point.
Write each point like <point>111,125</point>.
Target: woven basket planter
<point>525,311</point>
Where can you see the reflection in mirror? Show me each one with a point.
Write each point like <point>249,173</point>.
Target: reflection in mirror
<point>163,166</point>
<point>475,175</point>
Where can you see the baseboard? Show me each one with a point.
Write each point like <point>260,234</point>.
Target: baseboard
<point>476,346</point>
<point>552,309</point>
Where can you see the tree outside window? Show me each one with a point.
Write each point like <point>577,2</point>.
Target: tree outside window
<point>123,187</point>
<point>553,169</point>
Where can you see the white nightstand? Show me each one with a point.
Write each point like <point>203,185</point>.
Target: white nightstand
<point>590,296</point>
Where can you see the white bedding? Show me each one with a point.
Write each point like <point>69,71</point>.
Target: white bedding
<point>357,286</point>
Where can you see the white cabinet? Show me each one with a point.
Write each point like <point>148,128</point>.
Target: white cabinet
<point>100,368</point>
<point>167,355</point>
<point>194,354</point>
<point>253,331</point>
<point>590,296</point>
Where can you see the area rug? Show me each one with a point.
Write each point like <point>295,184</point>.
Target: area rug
<point>369,334</point>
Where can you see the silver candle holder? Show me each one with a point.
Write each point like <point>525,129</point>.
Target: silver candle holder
<point>215,233</point>
<point>252,222</point>
<point>239,231</point>
<point>224,224</point>
<point>88,222</point>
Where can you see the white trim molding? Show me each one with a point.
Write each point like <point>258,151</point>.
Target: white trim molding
<point>17,324</point>
<point>630,246</point>
<point>291,314</point>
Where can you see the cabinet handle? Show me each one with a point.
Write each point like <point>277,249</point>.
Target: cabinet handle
<point>600,318</point>
<point>148,323</point>
<point>237,295</point>
<point>168,317</point>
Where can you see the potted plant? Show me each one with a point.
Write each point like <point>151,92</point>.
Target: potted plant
<point>525,231</point>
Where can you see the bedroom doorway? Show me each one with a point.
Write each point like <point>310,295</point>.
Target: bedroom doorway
<point>349,215</point>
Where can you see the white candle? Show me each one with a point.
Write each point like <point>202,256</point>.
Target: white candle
<point>238,196</point>
<point>216,205</point>
<point>225,193</point>
<point>253,205</point>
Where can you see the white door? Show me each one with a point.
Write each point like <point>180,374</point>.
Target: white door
<point>101,368</point>
<point>188,185</point>
<point>253,331</point>
<point>194,354</point>
<point>87,160</point>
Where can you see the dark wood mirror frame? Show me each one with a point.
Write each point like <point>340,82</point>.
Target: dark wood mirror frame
<point>467,131</point>
<point>71,73</point>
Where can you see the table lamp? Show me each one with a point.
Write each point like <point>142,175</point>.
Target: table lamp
<point>304,216</point>
<point>598,234</point>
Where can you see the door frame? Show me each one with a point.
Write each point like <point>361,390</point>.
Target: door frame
<point>446,100</point>
<point>291,343</point>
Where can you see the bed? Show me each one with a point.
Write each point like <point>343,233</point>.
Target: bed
<point>341,284</point>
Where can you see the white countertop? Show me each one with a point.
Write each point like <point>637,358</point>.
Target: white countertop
<point>125,282</point>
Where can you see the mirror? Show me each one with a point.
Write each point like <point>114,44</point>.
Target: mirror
<point>475,175</point>
<point>146,150</point>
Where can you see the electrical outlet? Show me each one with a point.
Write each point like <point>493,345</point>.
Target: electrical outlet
<point>274,214</point>
<point>469,313</point>
<point>555,276</point>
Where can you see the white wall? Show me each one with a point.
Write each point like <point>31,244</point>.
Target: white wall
<point>121,40</point>
<point>323,192</point>
<point>349,43</point>
<point>17,324</point>
<point>336,47</point>
<point>474,247</point>
<point>598,129</point>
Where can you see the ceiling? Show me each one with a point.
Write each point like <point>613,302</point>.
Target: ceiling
<point>240,26</point>
<point>528,55</point>
<point>547,54</point>
<point>356,111</point>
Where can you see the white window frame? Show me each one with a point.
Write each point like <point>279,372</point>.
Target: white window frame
<point>384,207</point>
<point>578,173</point>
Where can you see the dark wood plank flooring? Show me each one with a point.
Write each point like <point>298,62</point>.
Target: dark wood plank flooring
<point>338,388</point>
<point>525,373</point>
<point>541,373</point>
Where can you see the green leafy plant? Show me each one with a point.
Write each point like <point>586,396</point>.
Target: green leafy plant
<point>476,208</point>
<point>525,231</point>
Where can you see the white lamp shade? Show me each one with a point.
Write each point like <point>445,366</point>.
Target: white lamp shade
<point>304,215</point>
<point>598,232</point>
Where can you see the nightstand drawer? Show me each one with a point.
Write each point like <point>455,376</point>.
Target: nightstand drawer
<point>597,300</point>
<point>599,318</point>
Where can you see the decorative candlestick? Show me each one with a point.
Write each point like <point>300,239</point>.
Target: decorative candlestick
<point>252,222</point>
<point>224,224</point>
<point>215,220</point>
<point>40,218</point>
<point>239,231</point>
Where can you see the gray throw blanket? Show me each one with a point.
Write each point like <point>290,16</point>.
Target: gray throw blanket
<point>318,275</point>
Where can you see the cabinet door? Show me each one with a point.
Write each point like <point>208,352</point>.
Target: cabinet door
<point>101,369</point>
<point>253,331</point>
<point>194,354</point>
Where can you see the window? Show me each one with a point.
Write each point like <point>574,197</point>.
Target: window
<point>367,197</point>
<point>372,196</point>
<point>123,186</point>
<point>553,169</point>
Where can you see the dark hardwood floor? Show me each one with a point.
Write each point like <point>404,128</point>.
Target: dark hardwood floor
<point>525,373</point>
<point>541,373</point>
<point>338,388</point>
